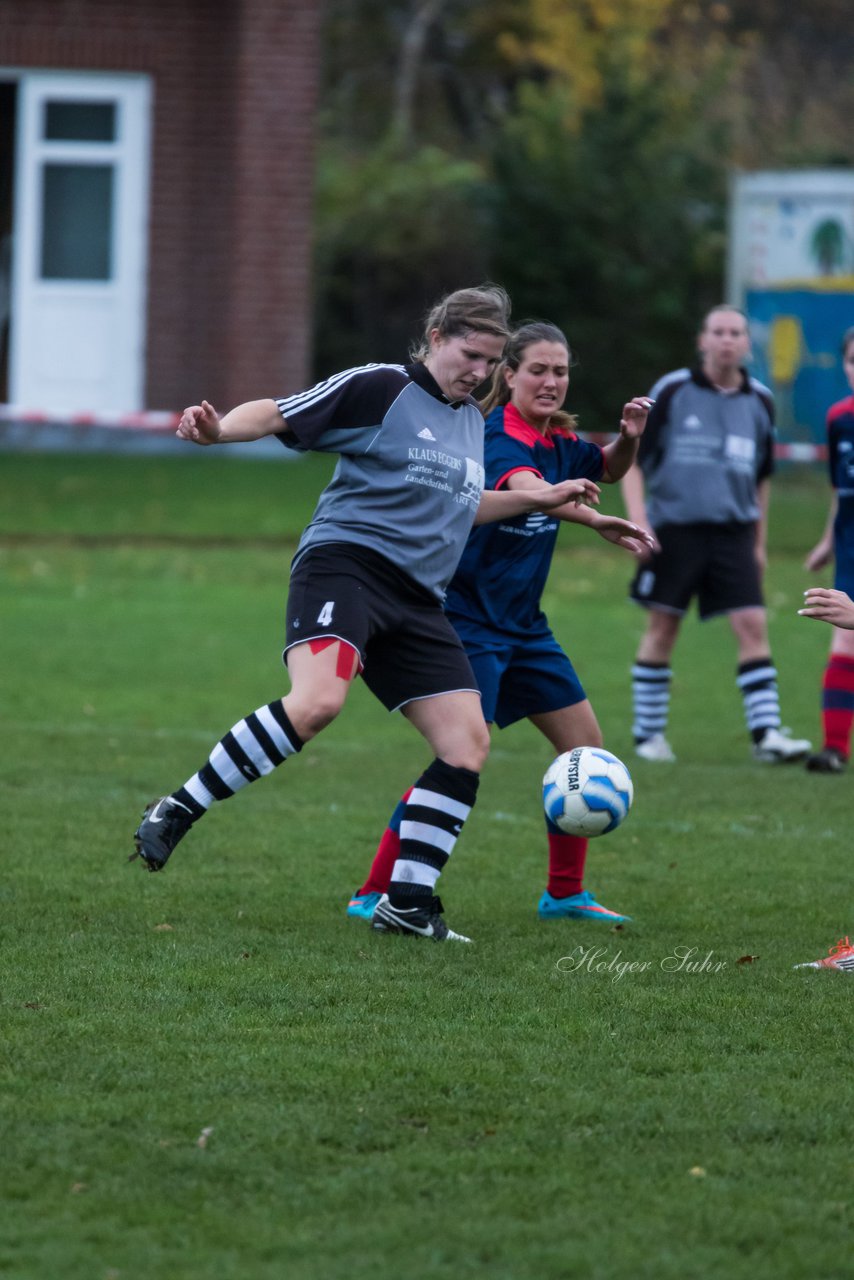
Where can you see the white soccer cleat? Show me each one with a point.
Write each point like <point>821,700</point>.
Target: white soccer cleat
<point>656,748</point>
<point>777,747</point>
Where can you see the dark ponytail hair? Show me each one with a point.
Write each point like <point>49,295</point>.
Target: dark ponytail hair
<point>529,332</point>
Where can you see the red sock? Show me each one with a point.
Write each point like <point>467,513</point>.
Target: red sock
<point>567,856</point>
<point>388,851</point>
<point>837,702</point>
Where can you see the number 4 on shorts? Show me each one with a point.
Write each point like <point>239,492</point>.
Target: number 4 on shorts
<point>324,618</point>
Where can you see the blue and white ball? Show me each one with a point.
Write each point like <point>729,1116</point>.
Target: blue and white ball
<point>587,792</point>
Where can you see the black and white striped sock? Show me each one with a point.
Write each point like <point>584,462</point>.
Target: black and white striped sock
<point>437,807</point>
<point>650,699</point>
<point>252,748</point>
<point>757,683</point>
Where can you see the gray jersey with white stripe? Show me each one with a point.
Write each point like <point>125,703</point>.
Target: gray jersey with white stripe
<point>704,450</point>
<point>410,475</point>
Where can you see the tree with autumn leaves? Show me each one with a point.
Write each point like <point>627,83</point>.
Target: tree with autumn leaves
<point>578,152</point>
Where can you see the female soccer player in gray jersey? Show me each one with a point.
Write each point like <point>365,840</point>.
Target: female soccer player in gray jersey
<point>702,483</point>
<point>368,582</point>
<point>494,600</point>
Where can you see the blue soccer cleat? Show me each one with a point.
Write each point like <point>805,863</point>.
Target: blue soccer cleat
<point>361,905</point>
<point>579,906</point>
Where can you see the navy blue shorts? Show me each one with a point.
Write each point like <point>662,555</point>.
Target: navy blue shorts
<point>518,676</point>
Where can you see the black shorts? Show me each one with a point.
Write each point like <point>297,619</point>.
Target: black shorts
<point>406,645</point>
<point>714,562</point>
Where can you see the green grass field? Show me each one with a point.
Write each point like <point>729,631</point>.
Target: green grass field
<point>371,1106</point>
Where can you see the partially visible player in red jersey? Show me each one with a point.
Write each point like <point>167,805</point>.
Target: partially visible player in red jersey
<point>837,544</point>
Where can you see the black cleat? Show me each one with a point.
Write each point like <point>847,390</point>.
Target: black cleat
<point>163,824</point>
<point>828,760</point>
<point>423,922</point>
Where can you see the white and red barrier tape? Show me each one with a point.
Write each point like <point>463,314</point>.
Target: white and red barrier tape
<point>145,420</point>
<point>162,420</point>
<point>801,452</point>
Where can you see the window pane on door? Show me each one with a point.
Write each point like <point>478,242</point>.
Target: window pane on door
<point>80,121</point>
<point>77,222</point>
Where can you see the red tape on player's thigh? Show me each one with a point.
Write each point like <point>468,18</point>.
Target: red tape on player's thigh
<point>344,667</point>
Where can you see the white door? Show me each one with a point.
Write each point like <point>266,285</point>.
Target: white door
<point>80,234</point>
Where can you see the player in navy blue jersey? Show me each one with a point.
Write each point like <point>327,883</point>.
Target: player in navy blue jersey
<point>837,544</point>
<point>494,599</point>
<point>368,583</point>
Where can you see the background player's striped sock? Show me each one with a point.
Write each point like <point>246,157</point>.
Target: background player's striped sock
<point>650,698</point>
<point>757,683</point>
<point>437,807</point>
<point>252,748</point>
<point>837,703</point>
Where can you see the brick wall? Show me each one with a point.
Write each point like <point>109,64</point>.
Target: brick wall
<point>234,92</point>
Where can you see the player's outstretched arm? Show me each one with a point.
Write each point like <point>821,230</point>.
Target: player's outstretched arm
<point>634,495</point>
<point>621,453</point>
<point>828,605</point>
<point>527,492</point>
<point>201,424</point>
<point>624,533</point>
<point>822,552</point>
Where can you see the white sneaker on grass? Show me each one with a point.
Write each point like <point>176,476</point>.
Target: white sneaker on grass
<point>776,746</point>
<point>656,748</point>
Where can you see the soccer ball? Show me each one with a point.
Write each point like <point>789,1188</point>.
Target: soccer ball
<point>587,792</point>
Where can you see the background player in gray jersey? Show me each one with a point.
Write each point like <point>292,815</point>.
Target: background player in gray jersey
<point>368,582</point>
<point>701,483</point>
